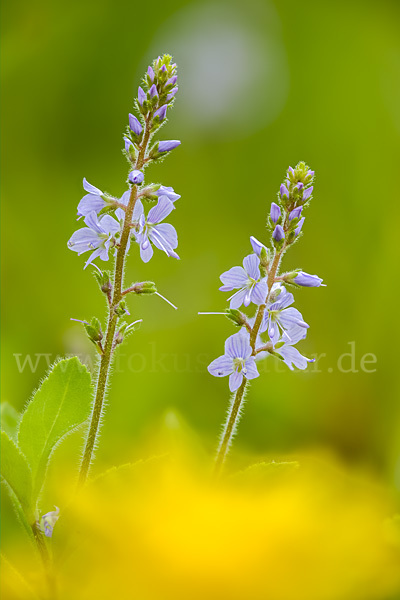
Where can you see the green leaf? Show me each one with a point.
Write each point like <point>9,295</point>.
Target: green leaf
<point>264,473</point>
<point>61,404</point>
<point>16,473</point>
<point>10,419</point>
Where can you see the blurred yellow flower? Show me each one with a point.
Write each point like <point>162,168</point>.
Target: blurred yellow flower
<point>160,531</point>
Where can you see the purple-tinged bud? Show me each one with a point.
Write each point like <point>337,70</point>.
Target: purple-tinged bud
<point>296,212</point>
<point>150,73</point>
<point>153,92</point>
<point>172,93</point>
<point>306,280</point>
<point>136,177</point>
<point>164,69</point>
<point>161,112</point>
<point>310,173</point>
<point>128,144</point>
<point>172,80</point>
<point>141,95</point>
<point>299,226</point>
<point>135,124</point>
<point>278,233</point>
<point>300,185</point>
<point>168,145</point>
<point>291,170</point>
<point>256,245</point>
<point>284,191</point>
<point>275,212</point>
<point>307,193</point>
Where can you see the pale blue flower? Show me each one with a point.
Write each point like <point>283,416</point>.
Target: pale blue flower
<point>48,521</point>
<point>285,347</point>
<point>247,279</point>
<point>162,235</point>
<point>93,201</point>
<point>99,236</point>
<point>237,362</point>
<point>279,316</point>
<point>168,191</point>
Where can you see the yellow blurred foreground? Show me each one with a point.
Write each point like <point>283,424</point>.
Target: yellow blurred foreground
<point>162,530</point>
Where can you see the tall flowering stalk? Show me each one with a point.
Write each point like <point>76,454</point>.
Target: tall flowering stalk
<point>113,223</point>
<point>277,326</point>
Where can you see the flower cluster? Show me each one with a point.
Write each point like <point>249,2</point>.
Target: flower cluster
<point>258,282</point>
<point>105,215</point>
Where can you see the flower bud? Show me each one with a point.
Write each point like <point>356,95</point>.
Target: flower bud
<point>136,177</point>
<point>296,212</point>
<point>121,309</point>
<point>307,193</point>
<point>299,226</point>
<point>94,331</point>
<point>161,112</point>
<point>167,146</point>
<point>153,92</point>
<point>135,125</point>
<point>278,233</point>
<point>172,81</point>
<point>141,96</point>
<point>172,93</point>
<point>145,287</point>
<point>237,317</point>
<point>306,280</point>
<point>150,74</point>
<point>275,211</point>
<point>283,190</point>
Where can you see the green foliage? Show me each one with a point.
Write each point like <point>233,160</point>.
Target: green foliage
<point>61,404</point>
<point>10,419</point>
<point>263,473</point>
<point>16,472</point>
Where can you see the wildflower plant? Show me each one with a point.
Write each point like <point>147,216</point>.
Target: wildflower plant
<point>111,228</point>
<point>277,326</point>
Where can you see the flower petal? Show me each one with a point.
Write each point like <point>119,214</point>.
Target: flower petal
<point>259,293</point>
<point>167,233</point>
<point>91,189</point>
<point>238,345</point>
<point>83,239</point>
<point>237,299</point>
<point>160,211</point>
<point>235,381</point>
<point>109,224</point>
<point>221,366</point>
<point>251,264</point>
<point>236,277</point>
<point>89,203</point>
<point>250,370</point>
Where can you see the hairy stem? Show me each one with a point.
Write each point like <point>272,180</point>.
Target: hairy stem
<point>230,428</point>
<point>108,347</point>
<point>234,413</point>
<point>46,560</point>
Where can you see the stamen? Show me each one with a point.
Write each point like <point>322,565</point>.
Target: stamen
<point>133,324</point>
<point>168,302</point>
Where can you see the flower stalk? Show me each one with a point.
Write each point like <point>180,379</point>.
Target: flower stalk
<point>105,233</point>
<point>259,282</point>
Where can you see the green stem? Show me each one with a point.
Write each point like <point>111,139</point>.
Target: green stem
<point>108,348</point>
<point>234,413</point>
<point>230,428</point>
<point>46,560</point>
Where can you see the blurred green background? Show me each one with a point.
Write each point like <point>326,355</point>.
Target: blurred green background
<point>262,86</point>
